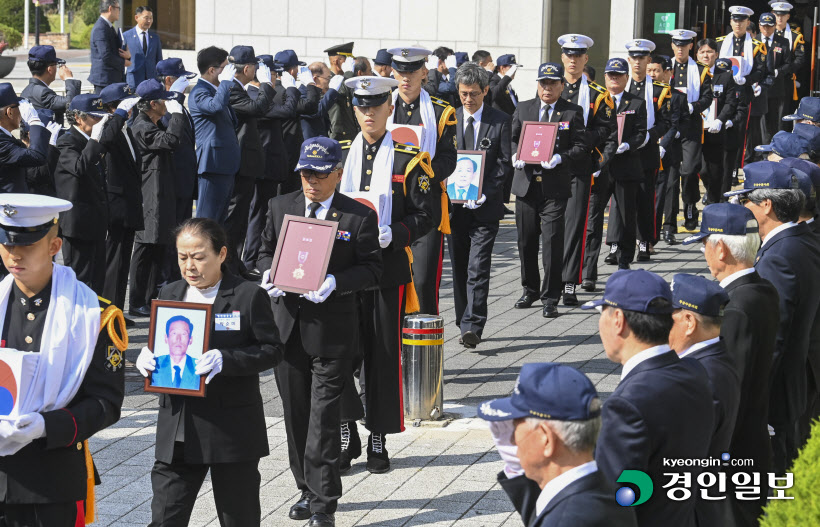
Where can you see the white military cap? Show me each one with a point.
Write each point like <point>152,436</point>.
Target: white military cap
<point>26,218</point>
<point>781,7</point>
<point>371,91</point>
<point>682,36</point>
<point>640,47</point>
<point>740,13</point>
<point>409,58</point>
<point>574,43</point>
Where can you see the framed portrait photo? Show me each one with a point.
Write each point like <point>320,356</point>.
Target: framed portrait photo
<point>467,180</point>
<point>178,335</point>
<point>537,141</point>
<point>302,253</point>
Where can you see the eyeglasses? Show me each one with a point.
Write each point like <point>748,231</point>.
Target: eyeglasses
<point>743,200</point>
<point>307,174</point>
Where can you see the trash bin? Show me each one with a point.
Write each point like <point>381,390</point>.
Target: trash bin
<point>422,359</point>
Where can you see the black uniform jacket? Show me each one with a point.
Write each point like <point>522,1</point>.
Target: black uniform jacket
<point>247,111</point>
<point>43,97</point>
<point>123,171</point>
<point>627,166</point>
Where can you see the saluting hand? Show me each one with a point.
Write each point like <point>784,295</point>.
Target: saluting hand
<point>502,432</point>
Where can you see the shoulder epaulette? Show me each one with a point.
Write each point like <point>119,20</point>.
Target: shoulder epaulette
<point>440,102</point>
<point>756,42</point>
<point>597,87</point>
<point>796,29</point>
<point>661,84</point>
<point>407,149</point>
<point>345,144</point>
<point>699,63</point>
<point>720,39</point>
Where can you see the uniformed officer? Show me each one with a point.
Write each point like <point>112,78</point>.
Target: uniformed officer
<point>343,125</point>
<point>749,52</point>
<point>778,59</point>
<point>415,106</point>
<point>74,342</point>
<point>797,45</point>
<point>693,79</point>
<point>599,119</point>
<point>396,178</point>
<point>45,67</point>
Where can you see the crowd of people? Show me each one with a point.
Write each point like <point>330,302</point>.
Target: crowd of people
<point>157,189</point>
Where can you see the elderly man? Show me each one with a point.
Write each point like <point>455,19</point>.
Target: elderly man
<point>789,260</point>
<point>45,67</point>
<point>549,473</point>
<point>637,432</point>
<point>16,157</point>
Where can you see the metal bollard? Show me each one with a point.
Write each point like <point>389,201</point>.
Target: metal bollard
<point>422,359</point>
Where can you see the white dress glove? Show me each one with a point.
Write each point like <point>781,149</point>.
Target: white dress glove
<point>385,236</point>
<point>54,128</point>
<point>228,73</point>
<point>623,147</point>
<point>502,432</point>
<point>321,294</point>
<point>126,104</point>
<point>740,80</point>
<point>511,72</point>
<point>97,129</point>
<point>776,72</point>
<point>691,108</point>
<point>173,107</point>
<point>450,62</point>
<point>287,80</point>
<point>552,163</point>
<point>273,291</point>
<point>26,428</point>
<point>305,76</point>
<point>715,126</point>
<point>210,361</point>
<point>596,174</point>
<point>336,82</point>
<point>516,163</point>
<point>729,124</point>
<point>263,73</point>
<point>473,204</point>
<point>180,85</point>
<point>677,135</point>
<point>29,114</point>
<point>348,65</point>
<point>146,363</point>
<point>757,90</point>
<point>432,62</point>
<point>662,151</point>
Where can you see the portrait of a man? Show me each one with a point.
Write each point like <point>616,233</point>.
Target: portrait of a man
<point>463,184</point>
<point>176,369</point>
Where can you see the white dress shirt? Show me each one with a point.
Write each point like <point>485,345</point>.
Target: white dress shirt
<point>147,38</point>
<point>554,486</point>
<point>111,24</point>
<point>321,212</point>
<point>201,296</point>
<point>776,230</point>
<point>699,345</point>
<point>476,123</point>
<point>87,138</point>
<point>7,132</point>
<point>208,82</point>
<point>734,276</point>
<point>544,107</point>
<point>638,358</point>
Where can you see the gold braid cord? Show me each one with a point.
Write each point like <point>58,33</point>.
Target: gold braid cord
<point>110,318</point>
<point>448,118</point>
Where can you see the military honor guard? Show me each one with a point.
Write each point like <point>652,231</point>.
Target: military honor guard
<point>797,46</point>
<point>73,341</point>
<point>750,53</point>
<point>397,179</point>
<point>45,67</point>
<point>416,107</point>
<point>598,120</point>
<point>16,156</point>
<point>779,62</point>
<point>543,189</point>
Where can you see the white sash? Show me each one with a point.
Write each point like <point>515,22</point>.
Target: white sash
<point>583,98</point>
<point>692,81</point>
<point>381,181</point>
<point>648,94</point>
<point>747,60</point>
<point>428,121</point>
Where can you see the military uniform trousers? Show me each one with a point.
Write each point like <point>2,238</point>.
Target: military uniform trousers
<point>683,183</point>
<point>471,251</point>
<point>756,135</point>
<point>39,515</point>
<point>264,190</point>
<point>176,485</point>
<point>625,194</point>
<point>644,212</point>
<point>541,218</point>
<point>575,228</point>
<point>714,167</point>
<point>87,259</point>
<point>118,246</point>
<point>311,390</point>
<point>428,260</point>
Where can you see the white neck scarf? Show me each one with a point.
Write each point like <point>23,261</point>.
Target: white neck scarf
<point>692,81</point>
<point>746,60</point>
<point>69,338</point>
<point>381,181</point>
<point>428,121</point>
<point>583,98</point>
<point>788,34</point>
<point>648,94</point>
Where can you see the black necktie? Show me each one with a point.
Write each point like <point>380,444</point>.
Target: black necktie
<point>546,117</point>
<point>144,43</point>
<point>469,134</point>
<point>313,208</point>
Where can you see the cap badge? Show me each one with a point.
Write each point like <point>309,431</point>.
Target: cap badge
<point>365,84</point>
<point>314,152</point>
<point>9,210</point>
<point>573,38</point>
<point>405,53</point>
<point>637,43</point>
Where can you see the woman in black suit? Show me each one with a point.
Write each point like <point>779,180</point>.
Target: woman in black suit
<point>225,430</point>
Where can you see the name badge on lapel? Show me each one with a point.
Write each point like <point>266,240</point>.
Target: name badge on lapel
<point>627,112</point>
<point>563,125</point>
<point>717,88</point>
<point>343,235</point>
<point>227,321</point>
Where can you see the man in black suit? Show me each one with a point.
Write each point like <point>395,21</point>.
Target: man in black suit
<point>317,363</point>
<point>619,172</point>
<point>729,233</point>
<point>789,260</point>
<point>542,189</point>
<point>474,225</point>
<point>45,67</point>
<point>549,473</point>
<point>662,408</point>
<point>503,96</point>
<point>779,60</point>
<point>108,54</point>
<point>14,153</point>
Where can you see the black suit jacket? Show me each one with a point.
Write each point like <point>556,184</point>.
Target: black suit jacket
<point>778,57</point>
<point>247,111</point>
<point>500,90</point>
<point>15,158</point>
<point>123,172</point>
<point>228,424</point>
<point>570,145</point>
<point>43,97</point>
<point>185,165</point>
<point>270,132</point>
<point>626,166</point>
<point>587,501</point>
<point>493,138</point>
<point>731,106</point>
<point>355,263</point>
<point>292,126</point>
<point>638,430</point>
<point>694,124</point>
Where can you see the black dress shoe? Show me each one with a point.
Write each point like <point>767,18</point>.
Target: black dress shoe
<point>255,274</point>
<point>612,257</point>
<point>550,311</point>
<point>470,339</point>
<point>525,302</point>
<point>301,509</point>
<point>569,295</point>
<point>588,285</point>
<point>351,446</point>
<point>624,265</point>
<point>378,460</point>
<point>141,311</point>
<point>320,519</point>
<point>669,238</point>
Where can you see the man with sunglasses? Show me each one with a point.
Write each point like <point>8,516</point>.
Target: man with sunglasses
<point>13,152</point>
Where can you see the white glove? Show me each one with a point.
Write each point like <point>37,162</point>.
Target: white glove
<point>432,62</point>
<point>336,82</point>
<point>210,361</point>
<point>321,294</point>
<point>691,108</point>
<point>228,73</point>
<point>775,73</point>
<point>287,80</point>
<point>29,114</point>
<point>385,236</point>
<point>126,104</point>
<point>552,163</point>
<point>180,85</point>
<point>305,76</point>
<point>173,107</point>
<point>662,151</point>
<point>54,128</point>
<point>97,129</point>
<point>740,80</point>
<point>502,432</point>
<point>757,90</point>
<point>729,124</point>
<point>516,163</point>
<point>263,73</point>
<point>27,428</point>
<point>146,363</point>
<point>797,83</point>
<point>715,126</point>
<point>348,65</point>
<point>450,62</point>
<point>511,72</point>
<point>623,147</point>
<point>677,135</point>
<point>596,174</point>
<point>473,204</point>
<point>273,291</point>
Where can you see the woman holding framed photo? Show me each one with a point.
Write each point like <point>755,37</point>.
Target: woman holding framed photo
<point>224,431</point>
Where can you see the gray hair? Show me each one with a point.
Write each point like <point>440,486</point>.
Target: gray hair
<point>471,73</point>
<point>73,117</point>
<point>786,203</point>
<point>578,436</point>
<point>743,247</point>
<point>105,4</point>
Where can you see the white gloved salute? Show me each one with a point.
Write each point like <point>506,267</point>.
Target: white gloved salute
<point>516,163</point>
<point>211,361</point>
<point>287,80</point>
<point>511,72</point>
<point>146,363</point>
<point>348,65</point>
<point>263,73</point>
<point>305,76</point>
<point>450,62</point>
<point>173,107</point>
<point>273,291</point>
<point>126,104</point>
<point>180,85</point>
<point>385,236</point>
<point>97,129</point>
<point>29,114</point>
<point>321,294</point>
<point>228,73</point>
<point>336,82</point>
<point>552,163</point>
<point>623,147</point>
<point>473,204</point>
<point>54,128</point>
<point>502,432</point>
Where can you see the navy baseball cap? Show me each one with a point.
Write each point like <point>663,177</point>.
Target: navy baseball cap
<point>461,58</point>
<point>44,54</point>
<point>616,65</point>
<point>7,95</point>
<point>699,295</point>
<point>633,290</point>
<point>271,63</point>
<point>785,144</point>
<point>766,174</point>
<point>242,55</point>
<point>152,90</point>
<point>723,64</point>
<point>173,68</point>
<point>320,154</point>
<point>812,170</point>
<point>116,92</point>
<point>383,58</point>
<point>805,185</point>
<point>288,59</point>
<point>724,218</point>
<point>506,60</point>
<point>88,103</point>
<point>27,218</point>
<point>807,109</point>
<point>767,19</point>
<point>546,390</point>
<point>811,134</point>
<point>550,71</point>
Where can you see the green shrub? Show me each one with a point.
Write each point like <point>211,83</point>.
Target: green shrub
<point>12,13</point>
<point>83,40</point>
<point>804,509</point>
<point>90,11</point>
<point>12,36</point>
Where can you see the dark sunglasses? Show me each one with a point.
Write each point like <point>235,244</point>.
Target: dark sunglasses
<point>307,174</point>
